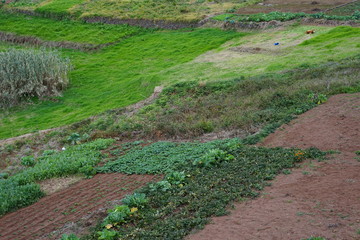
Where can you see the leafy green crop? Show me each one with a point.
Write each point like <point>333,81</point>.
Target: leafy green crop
<point>208,191</point>
<point>20,190</point>
<point>160,157</point>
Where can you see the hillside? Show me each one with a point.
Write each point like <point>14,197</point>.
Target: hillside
<point>149,118</point>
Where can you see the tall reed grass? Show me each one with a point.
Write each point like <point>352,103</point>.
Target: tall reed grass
<point>28,74</point>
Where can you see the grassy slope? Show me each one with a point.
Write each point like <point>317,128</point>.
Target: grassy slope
<point>238,57</point>
<point>117,76</point>
<point>179,10</point>
<point>53,30</point>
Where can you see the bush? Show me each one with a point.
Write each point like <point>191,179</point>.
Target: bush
<point>26,74</point>
<point>28,161</point>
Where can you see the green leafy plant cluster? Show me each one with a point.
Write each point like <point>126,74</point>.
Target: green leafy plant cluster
<point>26,74</point>
<point>282,16</point>
<point>212,158</point>
<point>208,191</point>
<point>28,161</point>
<point>172,180</point>
<point>160,157</point>
<point>69,237</point>
<point>122,214</point>
<point>20,189</point>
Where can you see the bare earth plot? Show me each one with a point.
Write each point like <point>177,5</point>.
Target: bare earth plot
<point>307,6</point>
<point>78,203</point>
<point>318,199</point>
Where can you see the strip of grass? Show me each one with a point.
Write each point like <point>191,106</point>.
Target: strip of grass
<point>243,105</point>
<point>57,7</point>
<point>194,194</point>
<point>20,190</point>
<point>256,54</point>
<point>73,31</point>
<point>346,10</point>
<point>282,16</point>
<point>179,10</point>
<point>114,77</point>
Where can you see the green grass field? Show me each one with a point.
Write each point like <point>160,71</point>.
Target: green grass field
<point>73,31</point>
<point>114,77</point>
<point>127,72</point>
<point>179,10</point>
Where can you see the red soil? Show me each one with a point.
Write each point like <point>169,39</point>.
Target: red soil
<point>318,199</point>
<point>69,206</point>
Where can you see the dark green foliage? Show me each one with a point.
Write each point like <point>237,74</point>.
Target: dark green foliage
<point>137,200</point>
<point>14,195</point>
<point>28,161</point>
<point>208,191</point>
<point>160,157</point>
<point>176,178</point>
<point>213,158</point>
<point>20,190</point>
<point>117,215</point>
<point>107,234</point>
<point>69,237</point>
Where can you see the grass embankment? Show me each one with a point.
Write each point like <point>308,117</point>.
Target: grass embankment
<point>73,31</point>
<point>202,179</point>
<point>128,71</point>
<point>256,54</point>
<point>287,16</point>
<point>21,189</point>
<point>117,76</point>
<point>346,10</point>
<point>180,10</point>
<point>243,105</point>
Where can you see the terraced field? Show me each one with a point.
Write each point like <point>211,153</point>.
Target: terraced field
<point>84,203</point>
<point>164,167</point>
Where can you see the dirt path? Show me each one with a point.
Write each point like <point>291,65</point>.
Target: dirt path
<point>318,199</point>
<point>74,209</point>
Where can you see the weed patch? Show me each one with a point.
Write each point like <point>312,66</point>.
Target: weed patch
<point>20,189</point>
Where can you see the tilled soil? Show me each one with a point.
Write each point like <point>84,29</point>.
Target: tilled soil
<point>66,207</point>
<point>317,199</point>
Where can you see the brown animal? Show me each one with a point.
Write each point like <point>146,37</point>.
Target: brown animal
<point>310,32</point>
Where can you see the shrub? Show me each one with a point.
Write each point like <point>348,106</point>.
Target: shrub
<point>28,161</point>
<point>26,74</point>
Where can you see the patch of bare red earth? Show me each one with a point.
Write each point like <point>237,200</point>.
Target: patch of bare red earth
<point>317,199</point>
<point>68,206</point>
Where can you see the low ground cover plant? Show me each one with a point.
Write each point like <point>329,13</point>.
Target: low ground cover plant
<point>21,189</point>
<point>201,192</point>
<point>27,74</point>
<point>160,157</point>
